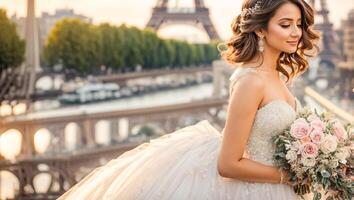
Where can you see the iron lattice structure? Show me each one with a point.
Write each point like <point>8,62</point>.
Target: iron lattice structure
<point>199,15</point>
<point>330,53</point>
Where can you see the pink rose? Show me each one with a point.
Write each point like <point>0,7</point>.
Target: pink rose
<point>309,150</point>
<point>300,129</point>
<point>317,136</point>
<point>339,131</point>
<point>318,124</point>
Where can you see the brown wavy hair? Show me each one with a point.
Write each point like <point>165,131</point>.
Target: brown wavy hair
<point>243,44</point>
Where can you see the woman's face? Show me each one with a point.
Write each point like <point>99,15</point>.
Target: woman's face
<point>284,29</point>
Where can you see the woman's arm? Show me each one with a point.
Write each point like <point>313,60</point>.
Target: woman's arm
<point>245,99</point>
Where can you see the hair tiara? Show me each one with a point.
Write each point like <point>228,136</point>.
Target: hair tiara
<point>247,12</point>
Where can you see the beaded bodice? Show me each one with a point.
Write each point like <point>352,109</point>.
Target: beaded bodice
<point>270,120</point>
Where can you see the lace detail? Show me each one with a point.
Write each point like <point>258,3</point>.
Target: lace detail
<point>270,120</point>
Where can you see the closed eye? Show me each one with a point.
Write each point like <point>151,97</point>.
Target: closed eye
<point>287,26</point>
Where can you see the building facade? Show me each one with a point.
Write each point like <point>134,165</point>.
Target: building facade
<point>347,66</point>
<point>47,21</point>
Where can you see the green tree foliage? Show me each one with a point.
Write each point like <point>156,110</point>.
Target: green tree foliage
<point>112,39</point>
<point>182,53</point>
<point>74,44</point>
<point>146,130</point>
<point>151,49</point>
<point>166,53</point>
<point>12,47</point>
<point>211,52</point>
<point>82,47</point>
<point>133,45</point>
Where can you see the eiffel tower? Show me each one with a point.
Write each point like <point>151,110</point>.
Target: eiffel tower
<point>330,53</point>
<point>162,14</point>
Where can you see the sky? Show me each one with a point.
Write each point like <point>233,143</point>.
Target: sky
<point>138,12</point>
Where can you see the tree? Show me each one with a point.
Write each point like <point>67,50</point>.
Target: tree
<point>182,51</point>
<point>146,130</point>
<point>191,54</point>
<point>74,44</point>
<point>112,46</point>
<point>12,52</point>
<point>200,54</point>
<point>82,47</point>
<point>133,47</point>
<point>151,47</point>
<point>211,52</point>
<point>166,53</point>
<point>12,47</point>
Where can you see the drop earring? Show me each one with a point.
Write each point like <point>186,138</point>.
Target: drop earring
<point>261,45</point>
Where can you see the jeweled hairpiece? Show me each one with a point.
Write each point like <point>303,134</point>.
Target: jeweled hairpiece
<point>247,12</point>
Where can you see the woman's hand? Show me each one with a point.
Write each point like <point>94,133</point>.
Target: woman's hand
<point>287,178</point>
<point>299,189</point>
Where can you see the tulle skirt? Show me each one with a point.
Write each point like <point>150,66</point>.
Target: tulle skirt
<point>178,166</point>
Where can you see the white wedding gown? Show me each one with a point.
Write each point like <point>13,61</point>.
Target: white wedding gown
<point>183,165</point>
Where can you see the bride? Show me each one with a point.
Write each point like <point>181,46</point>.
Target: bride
<point>271,40</point>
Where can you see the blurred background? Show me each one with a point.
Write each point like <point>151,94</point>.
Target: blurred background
<point>82,82</point>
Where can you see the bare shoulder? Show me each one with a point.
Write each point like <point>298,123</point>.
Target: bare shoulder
<point>250,85</point>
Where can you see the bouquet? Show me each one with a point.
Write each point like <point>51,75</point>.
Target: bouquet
<point>316,151</point>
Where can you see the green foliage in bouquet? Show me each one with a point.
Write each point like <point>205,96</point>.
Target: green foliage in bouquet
<point>316,150</point>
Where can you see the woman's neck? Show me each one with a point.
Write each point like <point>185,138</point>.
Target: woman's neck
<point>266,61</point>
<point>270,58</point>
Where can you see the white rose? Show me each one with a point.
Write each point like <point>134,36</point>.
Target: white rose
<point>333,164</point>
<point>342,154</point>
<point>296,146</point>
<point>287,146</point>
<point>291,156</point>
<point>312,117</point>
<point>324,161</point>
<point>308,162</point>
<point>329,144</point>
